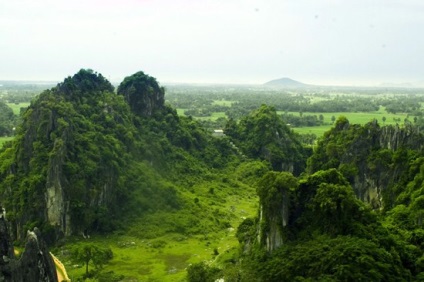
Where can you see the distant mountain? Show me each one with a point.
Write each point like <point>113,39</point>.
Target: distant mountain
<point>285,82</point>
<point>400,85</point>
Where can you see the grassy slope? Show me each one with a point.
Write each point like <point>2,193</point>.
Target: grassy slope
<point>17,107</point>
<point>165,257</point>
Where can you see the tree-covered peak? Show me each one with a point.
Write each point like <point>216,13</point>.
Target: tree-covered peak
<point>263,134</point>
<point>83,82</point>
<point>143,93</point>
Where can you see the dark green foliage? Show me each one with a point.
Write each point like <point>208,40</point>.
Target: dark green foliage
<point>89,253</point>
<point>75,137</point>
<point>343,258</point>
<point>128,161</point>
<point>338,209</point>
<point>7,120</point>
<point>330,235</point>
<point>303,120</point>
<point>142,93</point>
<point>263,135</point>
<point>246,230</point>
<point>251,172</point>
<point>82,160</point>
<point>371,154</point>
<point>273,190</point>
<point>75,88</point>
<point>200,272</point>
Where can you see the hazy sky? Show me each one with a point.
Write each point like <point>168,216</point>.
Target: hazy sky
<point>340,42</point>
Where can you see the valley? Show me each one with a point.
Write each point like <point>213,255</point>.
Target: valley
<point>129,184</point>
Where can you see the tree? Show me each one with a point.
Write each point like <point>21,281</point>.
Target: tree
<point>200,272</point>
<point>333,119</point>
<point>91,253</point>
<point>384,119</point>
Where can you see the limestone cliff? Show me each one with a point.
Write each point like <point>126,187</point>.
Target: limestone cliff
<point>274,197</point>
<point>142,93</point>
<point>61,172</point>
<point>374,159</point>
<point>71,167</point>
<point>35,263</point>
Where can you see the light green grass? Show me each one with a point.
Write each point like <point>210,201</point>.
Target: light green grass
<point>354,118</point>
<point>317,130</point>
<point>165,258</point>
<point>17,107</point>
<point>180,112</point>
<point>361,118</point>
<point>4,139</point>
<point>213,117</point>
<point>226,103</point>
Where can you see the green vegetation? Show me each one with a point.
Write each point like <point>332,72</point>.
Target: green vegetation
<point>4,140</point>
<point>356,214</point>
<point>17,108</point>
<point>87,253</point>
<point>124,188</point>
<point>307,111</point>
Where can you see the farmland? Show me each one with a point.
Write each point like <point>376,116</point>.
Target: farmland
<point>306,111</point>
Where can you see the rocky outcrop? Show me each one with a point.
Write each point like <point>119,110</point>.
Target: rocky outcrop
<point>274,197</point>
<point>63,165</point>
<point>142,93</point>
<point>372,158</point>
<point>56,199</point>
<point>395,137</point>
<point>35,263</point>
<point>272,235</point>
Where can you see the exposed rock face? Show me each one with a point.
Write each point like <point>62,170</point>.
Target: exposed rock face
<point>56,201</point>
<point>6,246</point>
<point>394,137</point>
<point>372,158</point>
<point>272,236</point>
<point>274,197</point>
<point>380,169</point>
<point>64,163</point>
<point>142,93</point>
<point>35,264</point>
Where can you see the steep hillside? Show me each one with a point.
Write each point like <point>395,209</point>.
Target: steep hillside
<point>357,214</point>
<point>83,151</point>
<point>376,160</point>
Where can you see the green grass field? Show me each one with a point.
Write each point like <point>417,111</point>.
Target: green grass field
<point>214,116</point>
<point>317,130</point>
<point>165,258</point>
<point>361,118</point>
<point>17,107</point>
<point>354,118</point>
